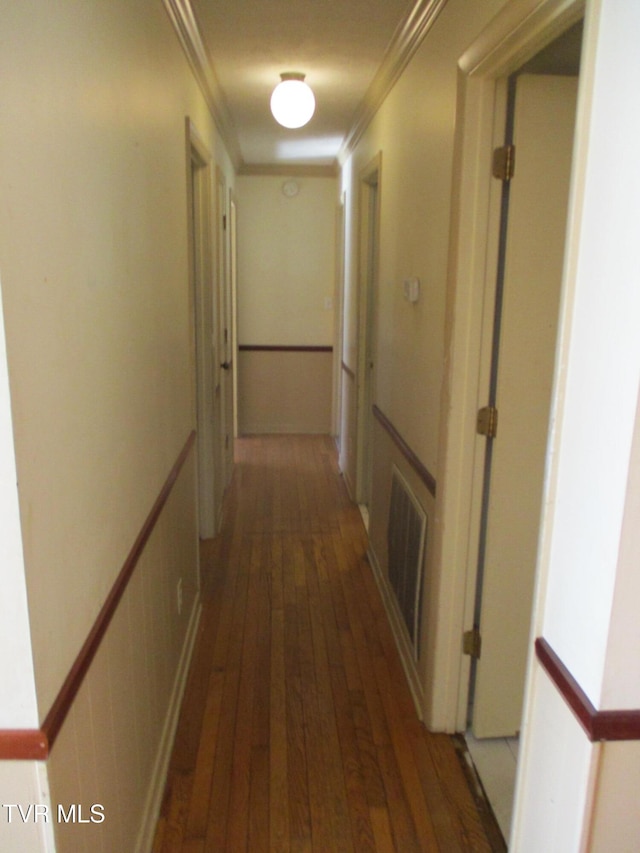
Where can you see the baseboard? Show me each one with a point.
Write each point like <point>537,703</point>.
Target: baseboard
<point>403,644</point>
<point>349,485</point>
<point>284,429</point>
<point>151,812</point>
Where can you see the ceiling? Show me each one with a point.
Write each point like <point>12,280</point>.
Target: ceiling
<point>351,53</point>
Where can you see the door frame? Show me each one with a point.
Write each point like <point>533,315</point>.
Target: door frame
<point>200,237</point>
<point>233,286</point>
<point>338,322</point>
<point>368,261</point>
<point>552,95</point>
<point>516,34</point>
<point>225,362</point>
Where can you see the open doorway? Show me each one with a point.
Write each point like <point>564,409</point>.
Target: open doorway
<point>519,337</point>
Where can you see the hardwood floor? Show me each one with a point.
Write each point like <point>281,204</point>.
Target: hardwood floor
<point>297,731</point>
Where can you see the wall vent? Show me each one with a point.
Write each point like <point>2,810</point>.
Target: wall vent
<point>407,536</point>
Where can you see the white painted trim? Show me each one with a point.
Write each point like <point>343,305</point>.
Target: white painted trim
<point>368,249</point>
<point>407,38</point>
<point>403,643</point>
<point>338,317</point>
<point>517,33</point>
<point>144,842</point>
<point>186,26</point>
<point>514,35</point>
<point>295,170</point>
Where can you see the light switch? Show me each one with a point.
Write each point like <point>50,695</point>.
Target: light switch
<point>412,289</point>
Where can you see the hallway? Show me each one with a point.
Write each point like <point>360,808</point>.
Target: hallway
<point>297,730</point>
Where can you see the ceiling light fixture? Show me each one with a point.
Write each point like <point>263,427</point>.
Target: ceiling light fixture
<point>292,101</point>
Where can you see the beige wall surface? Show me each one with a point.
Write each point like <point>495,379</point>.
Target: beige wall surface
<point>285,392</point>
<point>286,260</point>
<point>94,257</point>
<point>94,260</point>
<point>286,284</point>
<point>114,744</point>
<point>413,131</point>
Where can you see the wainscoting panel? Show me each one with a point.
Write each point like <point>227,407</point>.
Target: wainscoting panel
<point>114,745</point>
<point>284,390</point>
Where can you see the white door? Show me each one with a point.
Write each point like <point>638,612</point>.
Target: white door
<point>543,138</point>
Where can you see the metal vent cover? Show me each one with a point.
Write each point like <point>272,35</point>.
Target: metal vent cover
<point>406,537</point>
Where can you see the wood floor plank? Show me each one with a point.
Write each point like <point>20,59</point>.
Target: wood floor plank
<point>402,826</point>
<point>374,785</point>
<point>354,777</point>
<point>382,830</point>
<point>405,758</point>
<point>217,647</point>
<point>259,834</point>
<point>298,732</point>
<point>192,846</point>
<point>333,765</point>
<point>203,773</point>
<point>174,821</point>
<point>366,675</point>
<point>297,775</point>
<point>321,817</point>
<point>239,794</point>
<point>278,758</point>
<point>219,801</point>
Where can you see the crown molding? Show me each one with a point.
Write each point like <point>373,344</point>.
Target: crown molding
<point>518,32</point>
<point>187,29</point>
<point>289,170</point>
<point>405,42</point>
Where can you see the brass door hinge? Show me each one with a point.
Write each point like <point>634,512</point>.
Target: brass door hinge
<point>487,422</point>
<point>472,643</point>
<point>504,160</point>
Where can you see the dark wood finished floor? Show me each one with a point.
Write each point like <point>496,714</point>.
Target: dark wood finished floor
<point>298,731</point>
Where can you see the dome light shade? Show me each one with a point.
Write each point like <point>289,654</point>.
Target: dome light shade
<point>292,101</point>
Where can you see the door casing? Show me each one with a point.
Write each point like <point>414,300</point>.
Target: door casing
<point>368,244</point>
<point>516,34</point>
<point>201,298</point>
<point>523,339</point>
